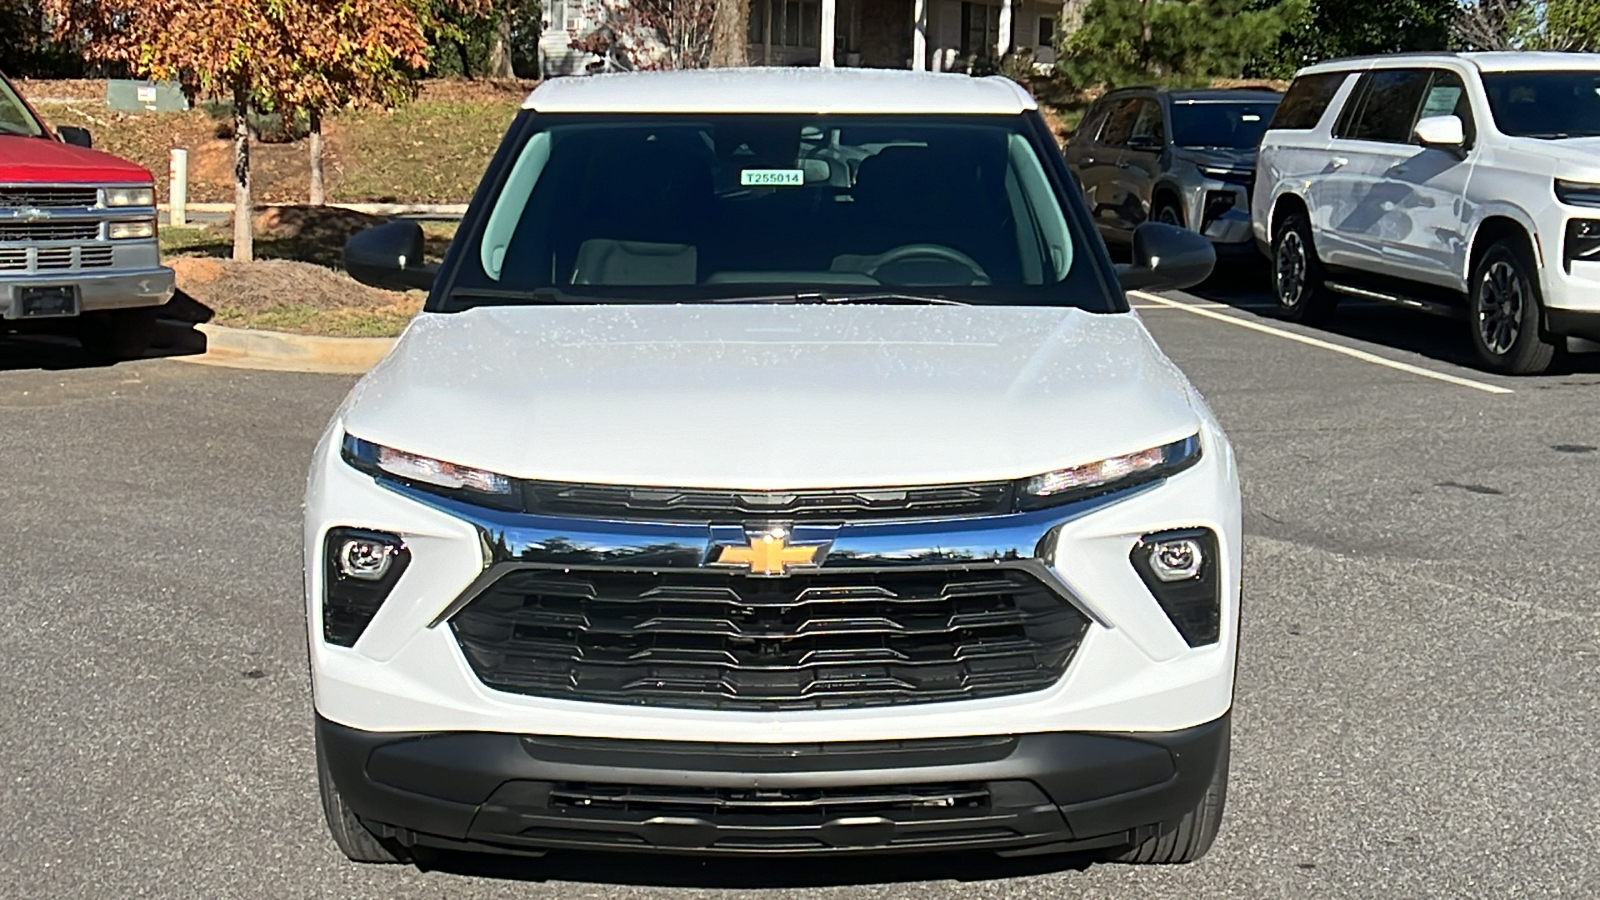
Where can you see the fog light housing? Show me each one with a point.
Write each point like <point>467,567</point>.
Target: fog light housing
<point>1182,570</point>
<point>1582,243</point>
<point>1178,560</point>
<point>360,569</point>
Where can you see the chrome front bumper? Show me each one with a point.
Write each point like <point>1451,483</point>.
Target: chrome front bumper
<point>110,289</point>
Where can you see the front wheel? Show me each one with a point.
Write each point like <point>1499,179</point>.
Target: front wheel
<point>1187,839</point>
<point>1505,312</point>
<point>1297,275</point>
<point>1168,213</point>
<point>352,838</point>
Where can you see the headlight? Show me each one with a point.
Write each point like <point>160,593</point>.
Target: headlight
<point>1107,475</point>
<point>139,196</point>
<point>1577,193</point>
<point>447,478</point>
<point>122,231</point>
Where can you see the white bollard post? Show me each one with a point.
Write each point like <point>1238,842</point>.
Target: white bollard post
<point>178,189</point>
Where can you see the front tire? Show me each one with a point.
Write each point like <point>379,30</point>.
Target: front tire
<point>1505,312</point>
<point>1167,212</point>
<point>352,838</point>
<point>1298,279</point>
<point>1188,838</point>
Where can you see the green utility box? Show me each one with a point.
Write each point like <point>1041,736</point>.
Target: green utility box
<point>145,96</point>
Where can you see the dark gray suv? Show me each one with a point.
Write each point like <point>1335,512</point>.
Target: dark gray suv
<point>1182,157</point>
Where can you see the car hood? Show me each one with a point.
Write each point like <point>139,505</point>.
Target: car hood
<point>772,396</point>
<point>1243,160</point>
<point>32,159</point>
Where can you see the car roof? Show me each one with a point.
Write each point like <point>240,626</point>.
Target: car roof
<point>1488,61</point>
<point>781,90</point>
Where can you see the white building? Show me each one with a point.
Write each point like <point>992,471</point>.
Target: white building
<point>916,34</point>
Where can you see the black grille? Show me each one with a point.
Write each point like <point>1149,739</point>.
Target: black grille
<point>48,197</point>
<point>49,231</point>
<point>702,639</point>
<point>729,506</point>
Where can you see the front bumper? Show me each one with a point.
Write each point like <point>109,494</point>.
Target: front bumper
<point>1041,792</point>
<point>111,289</point>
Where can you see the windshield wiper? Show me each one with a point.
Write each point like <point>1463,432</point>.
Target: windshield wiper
<point>895,298</point>
<point>507,296</point>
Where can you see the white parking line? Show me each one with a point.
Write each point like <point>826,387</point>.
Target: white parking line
<point>1207,311</point>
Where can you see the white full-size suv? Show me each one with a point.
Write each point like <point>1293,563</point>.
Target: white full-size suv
<point>776,468</point>
<point>1465,184</point>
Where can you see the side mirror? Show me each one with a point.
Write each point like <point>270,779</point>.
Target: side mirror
<point>389,256</point>
<point>1144,145</point>
<point>77,137</point>
<point>1167,258</point>
<point>1441,132</point>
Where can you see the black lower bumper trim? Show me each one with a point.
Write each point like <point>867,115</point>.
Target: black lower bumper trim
<point>524,793</point>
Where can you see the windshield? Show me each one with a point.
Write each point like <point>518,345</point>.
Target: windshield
<point>14,117</point>
<point>707,208</point>
<point>1545,104</point>
<point>1220,123</point>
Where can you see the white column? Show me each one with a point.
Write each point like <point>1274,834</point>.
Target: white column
<point>1003,45</point>
<point>829,10</point>
<point>178,188</point>
<point>919,37</point>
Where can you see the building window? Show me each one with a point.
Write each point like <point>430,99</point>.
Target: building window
<point>1047,31</point>
<point>795,23</point>
<point>980,29</point>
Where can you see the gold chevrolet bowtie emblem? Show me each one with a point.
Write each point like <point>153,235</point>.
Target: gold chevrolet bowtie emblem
<point>768,553</point>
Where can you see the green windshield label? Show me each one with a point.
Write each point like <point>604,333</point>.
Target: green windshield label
<point>772,177</point>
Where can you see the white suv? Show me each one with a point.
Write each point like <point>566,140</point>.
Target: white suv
<point>1455,183</point>
<point>776,468</point>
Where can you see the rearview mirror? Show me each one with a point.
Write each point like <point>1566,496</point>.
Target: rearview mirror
<point>1167,258</point>
<point>389,256</point>
<point>1441,132</point>
<point>77,137</point>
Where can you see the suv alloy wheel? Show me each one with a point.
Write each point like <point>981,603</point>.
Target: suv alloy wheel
<point>1297,276</point>
<point>1505,312</point>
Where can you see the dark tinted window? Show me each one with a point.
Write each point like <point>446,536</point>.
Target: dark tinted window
<point>1149,127</point>
<point>1306,100</point>
<point>1389,107</point>
<point>1208,123</point>
<point>1545,104</point>
<point>1119,126</point>
<point>14,117</point>
<point>669,208</point>
<point>1092,120</point>
<point>1447,96</point>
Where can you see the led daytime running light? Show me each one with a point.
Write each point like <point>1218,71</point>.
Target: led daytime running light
<point>1155,461</point>
<point>439,473</point>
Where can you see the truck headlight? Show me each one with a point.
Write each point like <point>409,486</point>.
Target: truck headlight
<point>1112,474</point>
<point>434,475</point>
<point>123,231</point>
<point>138,196</point>
<point>1578,193</point>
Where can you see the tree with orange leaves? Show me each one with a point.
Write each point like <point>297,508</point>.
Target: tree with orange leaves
<point>284,55</point>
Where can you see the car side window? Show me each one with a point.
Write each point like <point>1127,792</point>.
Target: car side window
<point>1447,96</point>
<point>1119,125</point>
<point>1306,100</point>
<point>1149,128</point>
<point>1389,106</point>
<point>1089,128</point>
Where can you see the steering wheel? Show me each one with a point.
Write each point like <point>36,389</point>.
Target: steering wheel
<point>938,252</point>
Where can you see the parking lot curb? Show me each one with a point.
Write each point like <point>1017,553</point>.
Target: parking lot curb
<point>244,348</point>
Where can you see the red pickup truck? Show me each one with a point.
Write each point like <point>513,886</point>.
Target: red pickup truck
<point>78,250</point>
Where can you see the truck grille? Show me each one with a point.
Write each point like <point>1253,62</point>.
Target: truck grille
<point>700,639</point>
<point>48,197</point>
<point>605,501</point>
<point>49,231</point>
<point>91,256</point>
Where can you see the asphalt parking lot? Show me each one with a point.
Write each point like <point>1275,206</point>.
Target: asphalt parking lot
<point>1417,703</point>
